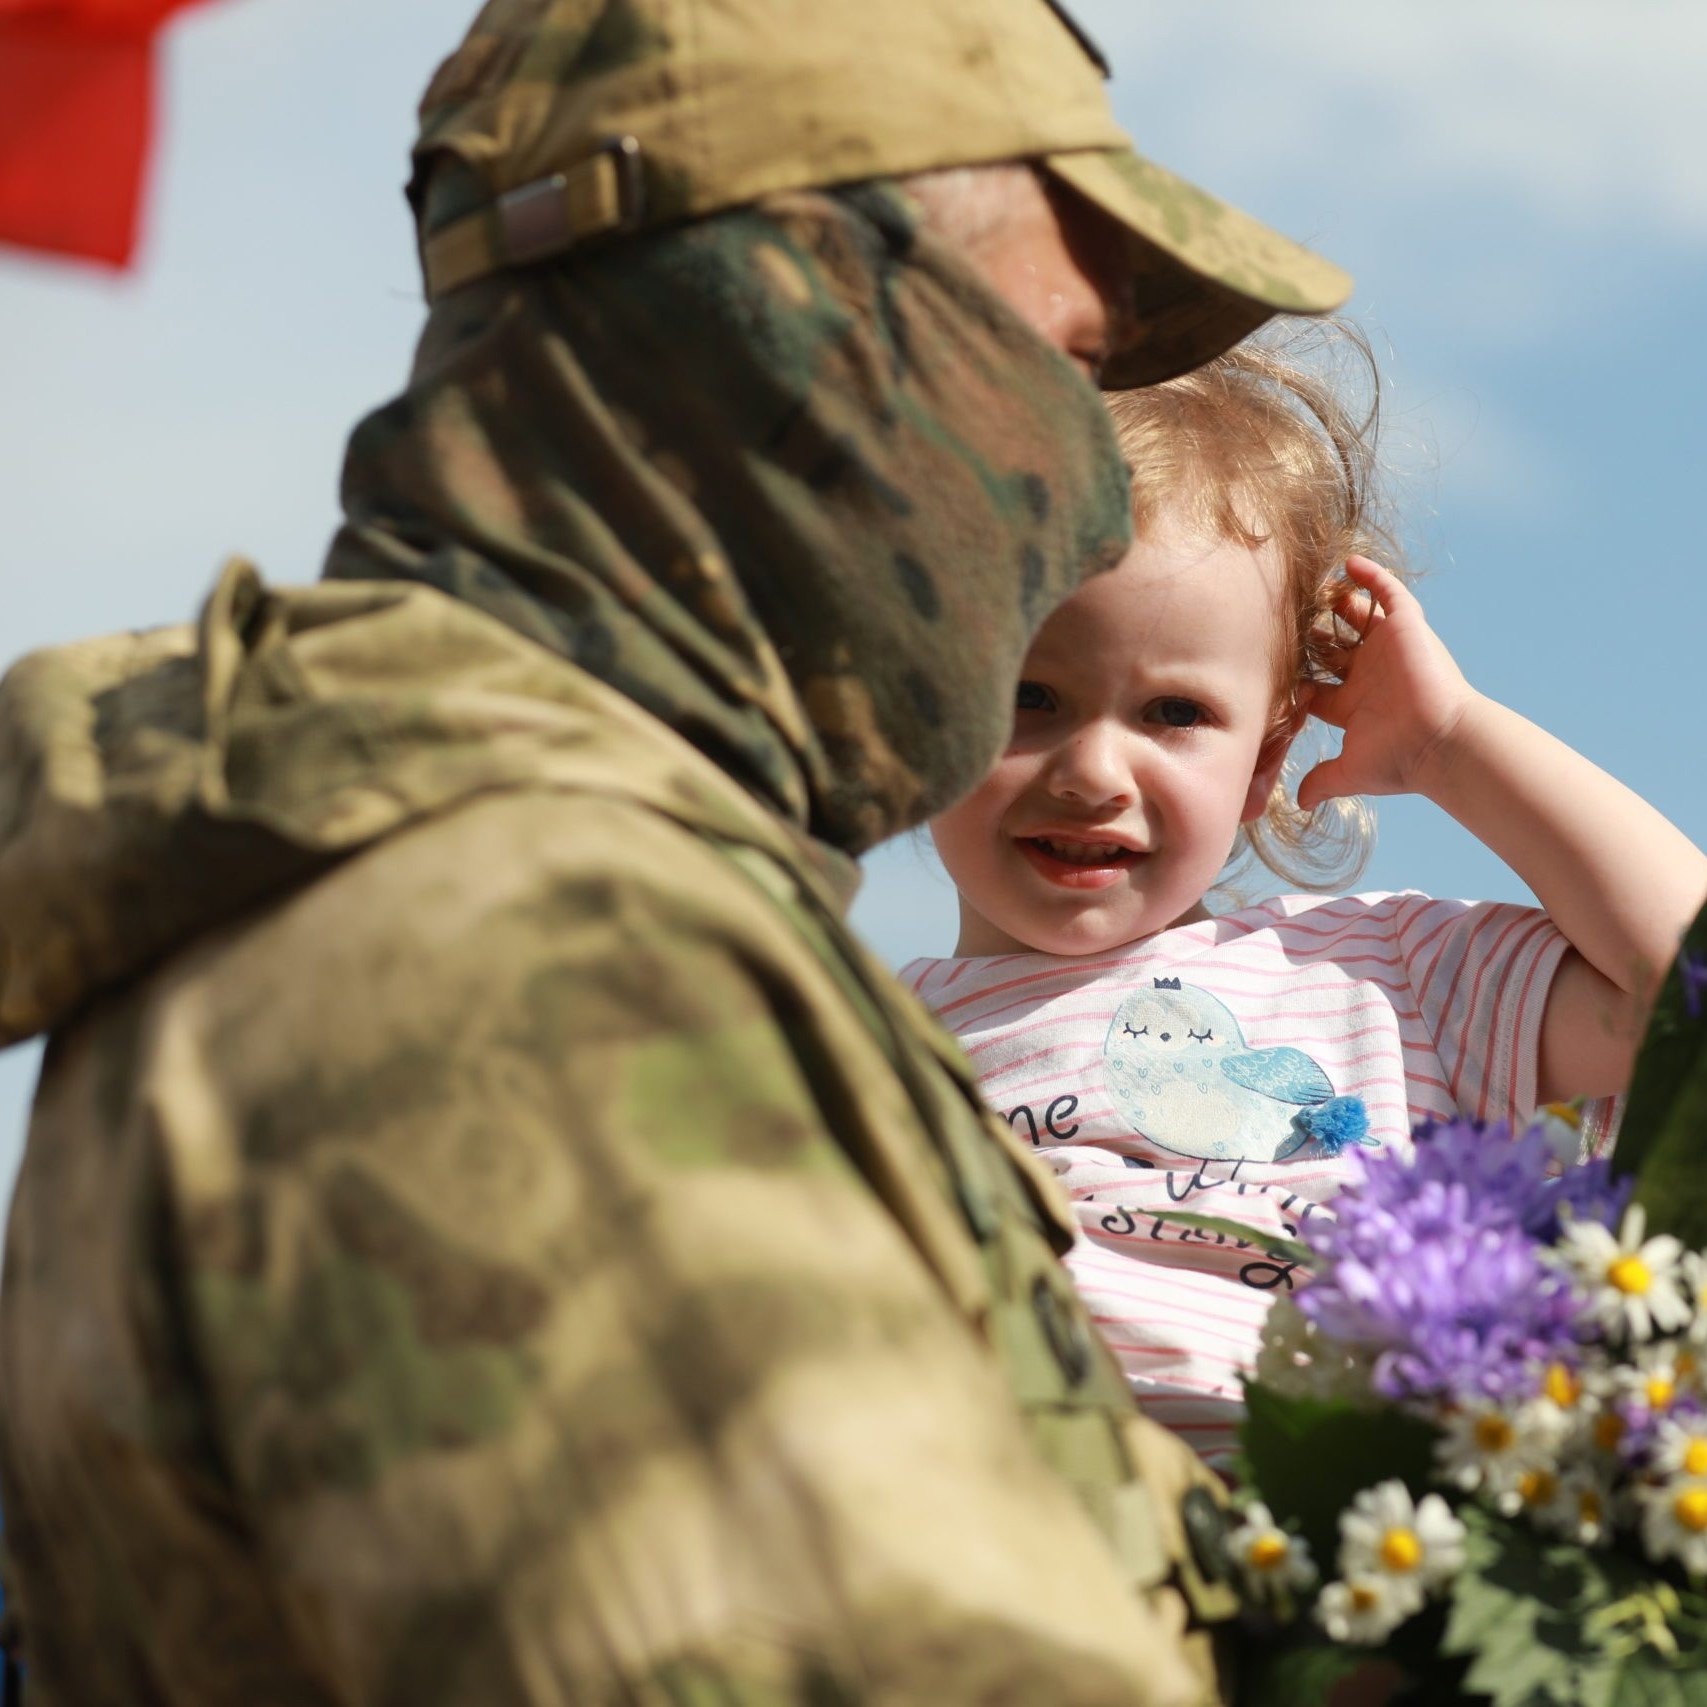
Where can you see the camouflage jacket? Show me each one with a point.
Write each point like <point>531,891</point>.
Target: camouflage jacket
<point>488,1234</point>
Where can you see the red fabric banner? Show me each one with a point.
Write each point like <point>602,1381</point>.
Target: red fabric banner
<point>76,118</point>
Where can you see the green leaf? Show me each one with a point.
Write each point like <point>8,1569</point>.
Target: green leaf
<point>1641,1680</point>
<point>1532,1617</point>
<point>1663,1137</point>
<point>1309,1458</point>
<point>1290,1676</point>
<point>1505,1618</point>
<point>1283,1250</point>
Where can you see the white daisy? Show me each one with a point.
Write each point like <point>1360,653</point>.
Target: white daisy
<point>1561,1124</point>
<point>1581,1395</point>
<point>1562,1386</point>
<point>1588,1387</point>
<point>1691,1369</point>
<point>1658,1374</point>
<point>1590,1500</point>
<point>1418,1546</point>
<point>1540,1496</point>
<point>1493,1447</point>
<point>1674,1522</point>
<point>1574,1503</point>
<point>1272,1562</point>
<point>1603,1432</point>
<point>1363,1610</point>
<point>1694,1267</point>
<point>1680,1447</point>
<point>1632,1283</point>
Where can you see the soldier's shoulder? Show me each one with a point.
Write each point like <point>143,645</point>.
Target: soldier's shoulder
<point>551,859</point>
<point>583,914</point>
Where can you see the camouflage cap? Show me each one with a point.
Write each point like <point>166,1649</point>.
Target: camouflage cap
<point>579,120</point>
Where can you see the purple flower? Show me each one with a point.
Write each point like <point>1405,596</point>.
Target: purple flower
<point>1504,1175</point>
<point>1642,1424</point>
<point>1692,968</point>
<point>1587,1192</point>
<point>1432,1266</point>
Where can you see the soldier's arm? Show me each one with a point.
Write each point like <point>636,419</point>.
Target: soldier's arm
<point>569,1359</point>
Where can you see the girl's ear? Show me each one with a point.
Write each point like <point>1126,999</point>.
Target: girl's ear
<point>1272,755</point>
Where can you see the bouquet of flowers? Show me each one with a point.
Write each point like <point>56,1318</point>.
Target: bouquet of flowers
<point>1475,1453</point>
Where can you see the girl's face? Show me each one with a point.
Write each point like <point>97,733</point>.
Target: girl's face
<point>1140,745</point>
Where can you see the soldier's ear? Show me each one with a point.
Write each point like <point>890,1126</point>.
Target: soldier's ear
<point>1271,756</point>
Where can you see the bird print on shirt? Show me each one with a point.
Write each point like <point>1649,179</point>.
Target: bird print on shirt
<point>1179,1069</point>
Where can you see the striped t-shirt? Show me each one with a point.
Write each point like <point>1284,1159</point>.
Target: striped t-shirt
<point>1196,1070</point>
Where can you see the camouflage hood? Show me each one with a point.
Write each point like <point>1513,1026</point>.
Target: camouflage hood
<point>791,478</point>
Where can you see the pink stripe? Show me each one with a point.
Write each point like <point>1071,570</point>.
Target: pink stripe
<point>1521,1024</point>
<point>1261,985</point>
<point>1059,1017</point>
<point>1161,1398</point>
<point>1225,1349</point>
<point>1053,1013</point>
<point>1265,955</point>
<point>1081,969</point>
<point>1450,1009</point>
<point>1187,1363</point>
<point>1529,931</point>
<point>1340,922</point>
<point>1436,936</point>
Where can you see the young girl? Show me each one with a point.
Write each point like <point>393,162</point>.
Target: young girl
<point>1169,1059</point>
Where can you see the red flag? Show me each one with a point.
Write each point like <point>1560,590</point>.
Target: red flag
<point>76,116</point>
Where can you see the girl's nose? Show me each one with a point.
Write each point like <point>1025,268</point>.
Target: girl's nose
<point>1093,768</point>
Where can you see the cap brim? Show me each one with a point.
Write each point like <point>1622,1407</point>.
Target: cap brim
<point>1204,274</point>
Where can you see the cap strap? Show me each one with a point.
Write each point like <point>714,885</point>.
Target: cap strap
<point>596,197</point>
<point>1082,36</point>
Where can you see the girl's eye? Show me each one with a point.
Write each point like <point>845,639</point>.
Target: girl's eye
<point>1177,713</point>
<point>1032,696</point>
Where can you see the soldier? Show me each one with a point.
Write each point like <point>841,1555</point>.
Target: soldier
<point>488,1233</point>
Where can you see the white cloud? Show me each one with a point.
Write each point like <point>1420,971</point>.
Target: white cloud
<point>1587,110</point>
<point>1456,445</point>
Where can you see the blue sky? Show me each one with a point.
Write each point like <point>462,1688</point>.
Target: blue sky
<point>1517,188</point>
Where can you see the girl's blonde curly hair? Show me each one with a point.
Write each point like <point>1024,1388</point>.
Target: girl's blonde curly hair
<point>1275,441</point>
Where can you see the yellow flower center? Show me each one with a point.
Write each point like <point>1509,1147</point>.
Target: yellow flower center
<point>1402,1551</point>
<point>1685,1364</point>
<point>1268,1550</point>
<point>1589,1507</point>
<point>1690,1510</point>
<point>1630,1275</point>
<point>1562,1386</point>
<point>1538,1487</point>
<point>1695,1458</point>
<point>1661,1390</point>
<point>1364,1598</point>
<point>1608,1431</point>
<point>1493,1433</point>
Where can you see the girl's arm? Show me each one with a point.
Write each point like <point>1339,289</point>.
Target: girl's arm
<point>1619,880</point>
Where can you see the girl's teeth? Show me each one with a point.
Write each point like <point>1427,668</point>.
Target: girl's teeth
<point>1081,853</point>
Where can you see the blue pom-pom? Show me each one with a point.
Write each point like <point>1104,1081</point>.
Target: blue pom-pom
<point>1336,1124</point>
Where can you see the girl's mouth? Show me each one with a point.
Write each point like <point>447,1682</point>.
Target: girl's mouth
<point>1075,864</point>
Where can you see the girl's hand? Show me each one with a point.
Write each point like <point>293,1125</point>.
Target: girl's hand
<point>1399,698</point>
